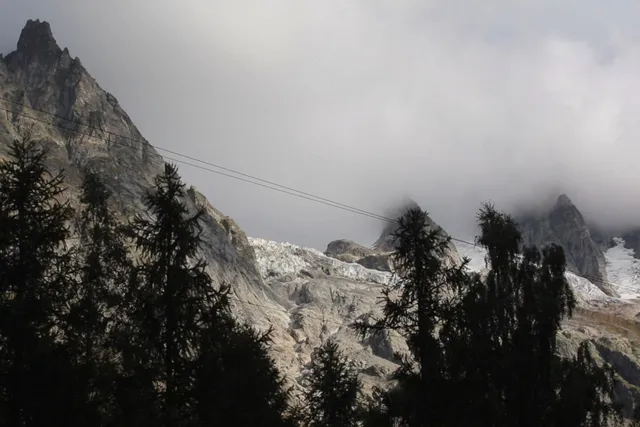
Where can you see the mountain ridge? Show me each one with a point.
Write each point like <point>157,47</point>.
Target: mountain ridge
<point>565,225</point>
<point>304,295</point>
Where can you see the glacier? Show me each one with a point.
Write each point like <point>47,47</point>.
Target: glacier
<point>281,259</point>
<point>623,269</point>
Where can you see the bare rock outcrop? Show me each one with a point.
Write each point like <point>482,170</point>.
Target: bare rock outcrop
<point>564,225</point>
<point>348,251</point>
<point>632,241</point>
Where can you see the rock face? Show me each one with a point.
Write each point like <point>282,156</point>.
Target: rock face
<point>348,251</point>
<point>632,241</point>
<point>303,294</point>
<point>565,226</point>
<point>608,347</point>
<point>602,237</point>
<point>58,92</point>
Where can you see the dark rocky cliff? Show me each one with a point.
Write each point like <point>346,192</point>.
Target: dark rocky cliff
<point>564,225</point>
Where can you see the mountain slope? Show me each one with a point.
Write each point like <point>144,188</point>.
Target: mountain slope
<point>58,93</point>
<point>46,90</point>
<point>304,295</point>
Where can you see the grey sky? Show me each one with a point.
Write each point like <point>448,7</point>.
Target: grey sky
<point>451,102</point>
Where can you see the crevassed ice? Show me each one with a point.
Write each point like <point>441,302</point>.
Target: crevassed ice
<point>280,259</point>
<point>623,269</point>
<point>285,258</point>
<point>585,289</point>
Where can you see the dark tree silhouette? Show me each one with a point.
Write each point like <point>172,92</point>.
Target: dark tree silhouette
<point>333,389</point>
<point>501,344</point>
<point>421,296</point>
<point>171,293</point>
<point>35,274</point>
<point>97,303</point>
<point>484,349</point>
<point>236,381</point>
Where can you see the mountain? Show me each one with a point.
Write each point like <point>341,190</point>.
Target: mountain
<point>303,294</point>
<point>379,256</point>
<point>564,225</point>
<point>44,89</point>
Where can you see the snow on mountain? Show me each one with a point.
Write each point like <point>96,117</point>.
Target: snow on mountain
<point>475,254</point>
<point>285,258</point>
<point>623,269</point>
<point>583,288</point>
<point>322,296</point>
<point>281,259</point>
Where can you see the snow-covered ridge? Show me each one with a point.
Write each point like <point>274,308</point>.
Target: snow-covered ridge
<point>280,259</point>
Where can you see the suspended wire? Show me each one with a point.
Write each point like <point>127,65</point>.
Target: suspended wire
<point>287,189</point>
<point>247,178</point>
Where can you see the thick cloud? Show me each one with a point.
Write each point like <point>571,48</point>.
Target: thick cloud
<point>450,102</point>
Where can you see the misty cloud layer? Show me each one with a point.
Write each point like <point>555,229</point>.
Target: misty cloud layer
<point>449,102</point>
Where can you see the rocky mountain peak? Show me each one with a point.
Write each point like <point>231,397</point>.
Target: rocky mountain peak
<point>84,127</point>
<point>37,37</point>
<point>566,214</point>
<point>44,88</point>
<point>37,44</point>
<point>385,242</point>
<point>48,75</point>
<point>564,225</point>
<point>564,201</point>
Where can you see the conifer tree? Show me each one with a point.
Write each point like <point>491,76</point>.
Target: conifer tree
<point>501,344</point>
<point>333,390</point>
<point>584,392</point>
<point>97,302</point>
<point>418,299</point>
<point>236,381</point>
<point>35,273</point>
<point>491,341</point>
<point>172,293</point>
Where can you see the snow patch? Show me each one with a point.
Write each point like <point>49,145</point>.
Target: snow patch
<point>623,269</point>
<point>584,289</point>
<point>476,255</point>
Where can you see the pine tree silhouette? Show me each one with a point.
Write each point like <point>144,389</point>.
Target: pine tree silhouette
<point>35,275</point>
<point>172,293</point>
<point>484,350</point>
<point>97,303</point>
<point>419,299</point>
<point>333,389</point>
<point>502,342</point>
<point>236,381</point>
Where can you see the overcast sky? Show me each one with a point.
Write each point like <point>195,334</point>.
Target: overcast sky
<point>450,102</point>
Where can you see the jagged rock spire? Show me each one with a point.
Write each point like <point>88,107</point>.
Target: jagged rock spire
<point>563,200</point>
<point>563,224</point>
<point>37,39</point>
<point>37,45</point>
<point>386,240</point>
